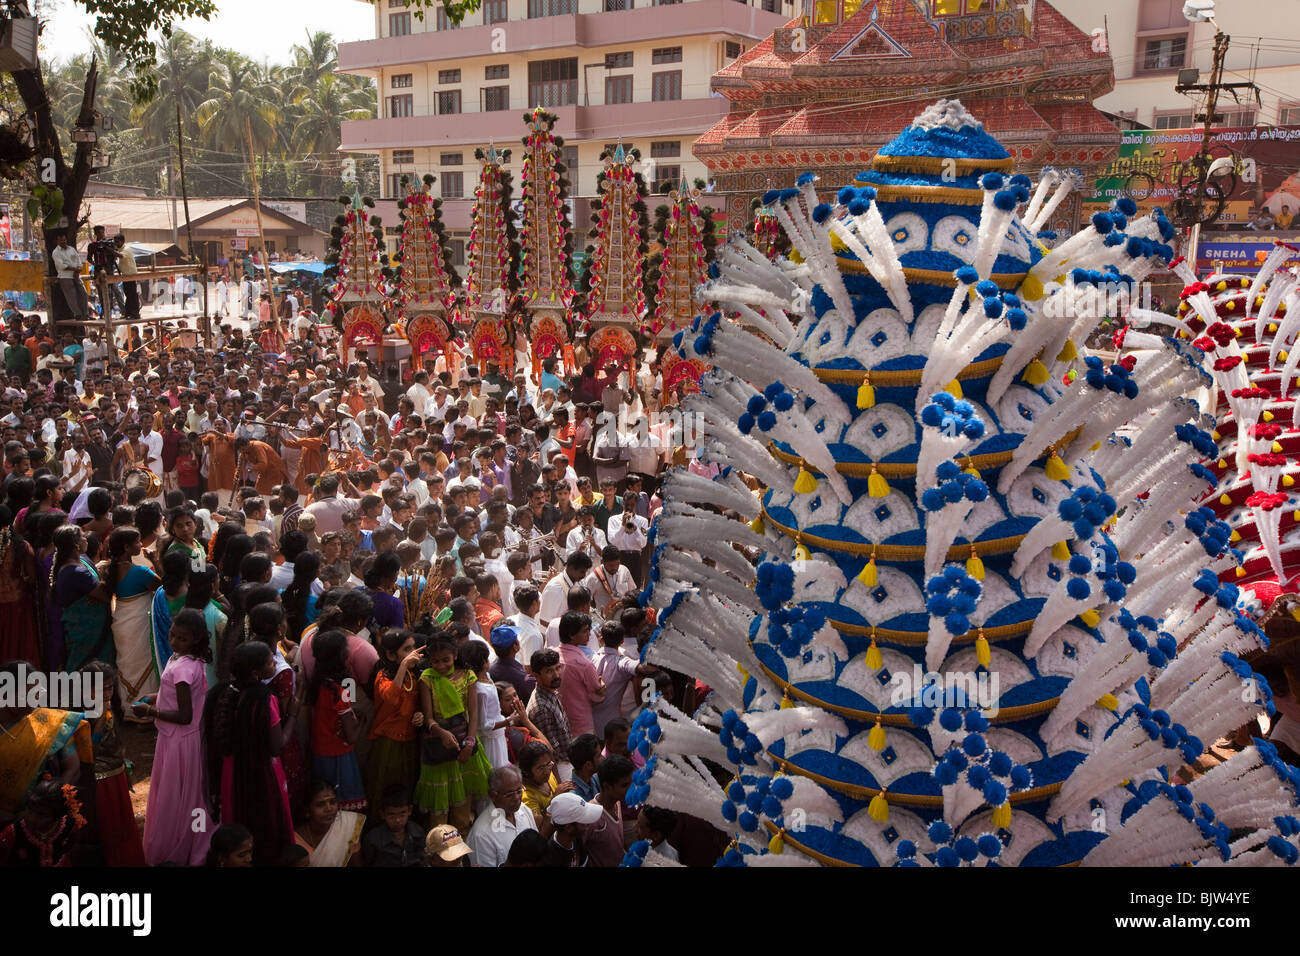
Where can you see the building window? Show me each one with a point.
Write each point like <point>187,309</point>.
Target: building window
<point>496,98</point>
<point>661,149</point>
<point>553,82</point>
<point>1172,120</point>
<point>666,54</point>
<point>451,159</point>
<point>617,61</point>
<point>772,6</point>
<point>400,106</point>
<point>444,21</point>
<point>1162,53</point>
<point>666,85</point>
<point>404,157</point>
<point>551,8</point>
<point>398,3</point>
<point>453,185</point>
<point>732,49</point>
<point>500,71</point>
<point>666,175</point>
<point>457,247</point>
<point>1288,114</point>
<point>403,81</point>
<point>495,11</point>
<point>449,76</point>
<point>665,3</point>
<point>1244,116</point>
<point>612,5</point>
<point>399,24</point>
<point>393,186</point>
<point>618,89</point>
<point>569,156</point>
<point>448,102</point>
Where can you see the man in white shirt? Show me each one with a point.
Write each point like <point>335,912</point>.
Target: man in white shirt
<point>531,635</point>
<point>609,581</point>
<point>94,351</point>
<point>437,405</point>
<point>153,441</point>
<point>555,596</point>
<point>368,383</point>
<point>77,467</point>
<point>627,530</point>
<point>586,536</point>
<point>497,826</point>
<point>419,393</point>
<point>67,262</point>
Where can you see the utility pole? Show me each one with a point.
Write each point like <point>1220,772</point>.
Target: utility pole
<point>1191,207</point>
<point>261,234</point>
<point>189,231</point>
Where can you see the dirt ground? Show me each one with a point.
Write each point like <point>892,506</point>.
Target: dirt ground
<point>138,743</point>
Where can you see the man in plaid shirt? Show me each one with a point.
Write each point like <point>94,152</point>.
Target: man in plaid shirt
<point>545,710</point>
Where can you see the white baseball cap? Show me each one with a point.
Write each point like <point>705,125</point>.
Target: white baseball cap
<point>570,808</point>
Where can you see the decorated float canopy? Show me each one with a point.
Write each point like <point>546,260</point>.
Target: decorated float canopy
<point>988,607</point>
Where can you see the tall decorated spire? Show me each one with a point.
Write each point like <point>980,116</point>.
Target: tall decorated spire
<point>683,265</point>
<point>425,278</point>
<point>613,279</point>
<point>358,299</point>
<point>492,254</point>
<point>989,619</point>
<point>545,245</point>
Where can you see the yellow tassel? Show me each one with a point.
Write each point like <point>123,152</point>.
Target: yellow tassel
<point>876,738</point>
<point>786,702</point>
<point>868,575</point>
<point>1272,326</point>
<point>1287,481</point>
<point>1055,468</point>
<point>1068,352</point>
<point>1277,448</point>
<point>875,660</point>
<point>1108,702</point>
<point>1094,446</point>
<point>1295,516</point>
<point>974,566</point>
<point>1090,618</point>
<point>1214,435</point>
<point>971,470</point>
<point>757,525</point>
<point>740,668</point>
<point>1225,499</point>
<point>1061,551</point>
<point>1036,372</point>
<point>1234,537</point>
<point>776,844</point>
<point>954,388</point>
<point>866,394</point>
<point>1295,613</point>
<point>877,487</point>
<point>1267,416</point>
<point>878,809</point>
<point>983,653</point>
<point>1241,572</point>
<point>1002,816</point>
<point>1284,355</point>
<point>801,553</point>
<point>1221,463</point>
<point>805,484</point>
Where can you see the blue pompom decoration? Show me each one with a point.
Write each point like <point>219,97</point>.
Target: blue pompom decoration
<point>1078,589</point>
<point>973,744</point>
<point>966,848</point>
<point>1006,200</point>
<point>939,832</point>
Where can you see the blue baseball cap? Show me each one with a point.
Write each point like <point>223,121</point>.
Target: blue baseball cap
<point>503,635</point>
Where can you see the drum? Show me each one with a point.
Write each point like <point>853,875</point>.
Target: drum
<point>143,478</point>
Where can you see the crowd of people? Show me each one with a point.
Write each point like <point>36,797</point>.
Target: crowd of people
<point>359,620</point>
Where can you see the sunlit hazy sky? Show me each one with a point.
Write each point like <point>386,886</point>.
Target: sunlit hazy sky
<point>261,29</point>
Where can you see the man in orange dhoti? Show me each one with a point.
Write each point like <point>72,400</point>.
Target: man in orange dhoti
<point>312,461</point>
<point>264,462</point>
<point>221,461</point>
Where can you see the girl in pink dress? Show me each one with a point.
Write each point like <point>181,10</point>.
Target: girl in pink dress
<point>245,735</point>
<point>178,826</point>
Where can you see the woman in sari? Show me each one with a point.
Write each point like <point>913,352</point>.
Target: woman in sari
<point>47,523</point>
<point>216,615</point>
<point>82,601</point>
<point>267,624</point>
<point>19,638</point>
<point>133,588</point>
<point>35,742</point>
<point>167,600</point>
<point>119,835</point>
<point>330,836</point>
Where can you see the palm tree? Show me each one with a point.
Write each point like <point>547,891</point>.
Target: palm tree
<point>182,71</point>
<point>320,109</point>
<point>318,58</point>
<point>239,96</point>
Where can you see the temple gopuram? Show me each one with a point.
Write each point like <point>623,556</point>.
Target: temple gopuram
<point>826,91</point>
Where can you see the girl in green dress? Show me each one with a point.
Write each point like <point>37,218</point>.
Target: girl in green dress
<point>453,767</point>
